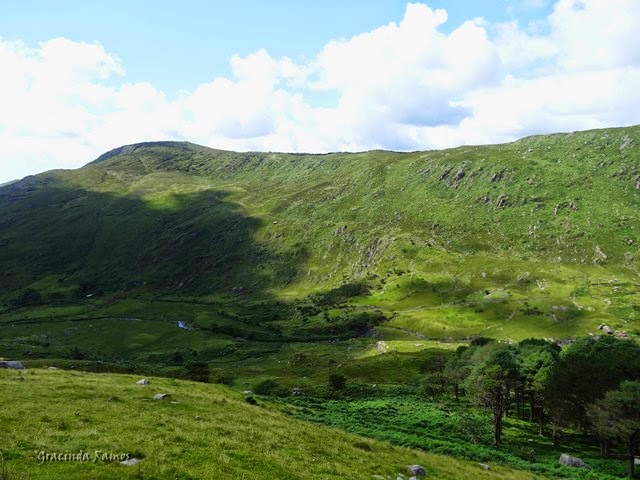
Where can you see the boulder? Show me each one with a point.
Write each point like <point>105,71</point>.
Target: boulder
<point>12,364</point>
<point>130,462</point>
<point>606,329</point>
<point>144,381</point>
<point>569,461</point>
<point>161,396</point>
<point>416,470</point>
<point>485,466</point>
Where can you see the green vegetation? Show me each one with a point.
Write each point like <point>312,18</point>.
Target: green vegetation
<point>349,278</point>
<point>201,431</point>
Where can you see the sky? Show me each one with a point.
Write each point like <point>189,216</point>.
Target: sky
<point>80,78</point>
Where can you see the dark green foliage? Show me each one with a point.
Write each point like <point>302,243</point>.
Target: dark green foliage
<point>270,387</point>
<point>618,415</point>
<point>480,341</point>
<point>197,371</point>
<point>337,381</point>
<point>341,294</point>
<point>27,297</point>
<point>493,375</point>
<point>586,371</point>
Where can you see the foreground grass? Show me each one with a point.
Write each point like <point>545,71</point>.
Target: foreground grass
<point>203,431</point>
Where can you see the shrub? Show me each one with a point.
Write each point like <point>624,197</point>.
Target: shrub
<point>270,387</point>
<point>337,381</point>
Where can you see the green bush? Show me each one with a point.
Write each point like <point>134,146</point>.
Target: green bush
<point>270,387</point>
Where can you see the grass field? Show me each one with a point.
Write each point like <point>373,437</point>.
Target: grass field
<point>201,432</point>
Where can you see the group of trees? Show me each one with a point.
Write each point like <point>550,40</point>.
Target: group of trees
<point>592,385</point>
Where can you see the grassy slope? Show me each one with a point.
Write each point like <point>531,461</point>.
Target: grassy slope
<point>233,244</point>
<point>209,433</point>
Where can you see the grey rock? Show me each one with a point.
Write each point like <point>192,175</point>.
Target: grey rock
<point>606,329</point>
<point>501,201</point>
<point>131,462</point>
<point>445,173</point>
<point>601,255</point>
<point>161,396</point>
<point>569,461</point>
<point>459,176</point>
<point>485,466</point>
<point>144,381</point>
<point>12,364</point>
<point>416,470</point>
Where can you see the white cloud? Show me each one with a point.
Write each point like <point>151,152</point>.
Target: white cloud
<point>406,85</point>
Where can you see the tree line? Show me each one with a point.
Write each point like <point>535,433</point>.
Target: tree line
<point>592,385</point>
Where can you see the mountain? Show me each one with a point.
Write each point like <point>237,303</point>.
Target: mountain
<point>534,237</point>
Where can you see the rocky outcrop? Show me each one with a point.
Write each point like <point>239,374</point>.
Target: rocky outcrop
<point>416,470</point>
<point>569,461</point>
<point>12,364</point>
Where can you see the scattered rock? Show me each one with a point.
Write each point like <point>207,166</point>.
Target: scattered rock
<point>296,391</point>
<point>12,364</point>
<point>607,330</point>
<point>497,176</point>
<point>144,381</point>
<point>601,255</point>
<point>629,257</point>
<point>53,368</point>
<point>416,470</point>
<point>601,326</point>
<point>626,143</point>
<point>340,230</point>
<point>247,392</point>
<point>131,462</point>
<point>485,466</point>
<point>569,461</point>
<point>445,174</point>
<point>381,346</point>
<point>459,176</point>
<point>161,396</point>
<point>501,201</point>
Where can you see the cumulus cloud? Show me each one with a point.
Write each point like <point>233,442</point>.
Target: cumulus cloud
<point>406,86</point>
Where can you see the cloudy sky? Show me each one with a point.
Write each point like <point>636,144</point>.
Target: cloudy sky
<point>79,78</point>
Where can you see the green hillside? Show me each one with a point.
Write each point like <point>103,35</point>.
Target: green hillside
<point>202,431</point>
<point>532,238</point>
<point>272,272</point>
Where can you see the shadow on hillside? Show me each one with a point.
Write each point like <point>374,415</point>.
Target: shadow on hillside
<point>190,243</point>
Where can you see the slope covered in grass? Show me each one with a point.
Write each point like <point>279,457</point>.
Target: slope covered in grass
<point>203,431</point>
<point>259,254</point>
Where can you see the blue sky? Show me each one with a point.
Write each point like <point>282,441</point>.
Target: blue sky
<point>197,38</point>
<point>85,77</point>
